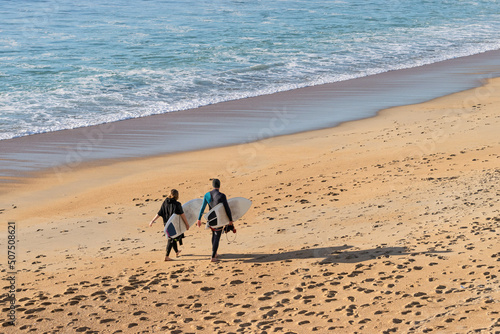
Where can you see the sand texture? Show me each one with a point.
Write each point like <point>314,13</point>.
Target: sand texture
<point>384,225</point>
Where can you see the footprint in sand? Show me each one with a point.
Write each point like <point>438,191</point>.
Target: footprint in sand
<point>105,321</point>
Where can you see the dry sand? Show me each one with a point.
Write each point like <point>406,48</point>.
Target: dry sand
<point>388,224</point>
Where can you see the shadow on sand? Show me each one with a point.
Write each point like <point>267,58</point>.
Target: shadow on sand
<point>325,255</point>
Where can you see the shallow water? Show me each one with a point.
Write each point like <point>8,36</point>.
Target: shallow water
<point>67,64</point>
<point>244,120</point>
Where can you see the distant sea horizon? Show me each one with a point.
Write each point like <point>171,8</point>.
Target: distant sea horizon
<point>67,64</point>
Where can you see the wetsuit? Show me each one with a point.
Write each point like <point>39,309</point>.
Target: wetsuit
<point>212,198</point>
<point>168,208</point>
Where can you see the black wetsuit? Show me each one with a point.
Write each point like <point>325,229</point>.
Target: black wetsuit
<point>213,198</point>
<point>168,208</point>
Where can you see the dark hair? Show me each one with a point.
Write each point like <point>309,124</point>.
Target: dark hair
<point>174,194</point>
<point>216,183</point>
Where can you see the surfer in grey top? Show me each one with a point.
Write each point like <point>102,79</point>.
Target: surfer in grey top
<point>212,198</point>
<point>168,208</point>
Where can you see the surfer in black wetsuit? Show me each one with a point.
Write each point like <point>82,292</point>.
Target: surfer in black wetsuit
<point>168,208</point>
<point>212,198</point>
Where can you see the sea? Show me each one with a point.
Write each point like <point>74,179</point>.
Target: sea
<point>68,64</point>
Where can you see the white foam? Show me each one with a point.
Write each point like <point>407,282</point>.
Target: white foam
<point>208,72</point>
<point>40,110</point>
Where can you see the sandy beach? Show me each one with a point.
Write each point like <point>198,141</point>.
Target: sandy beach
<point>383,225</point>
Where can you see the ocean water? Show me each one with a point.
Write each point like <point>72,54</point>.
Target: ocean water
<point>66,64</point>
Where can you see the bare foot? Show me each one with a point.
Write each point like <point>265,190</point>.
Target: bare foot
<point>215,259</point>
<point>168,259</point>
<point>177,254</point>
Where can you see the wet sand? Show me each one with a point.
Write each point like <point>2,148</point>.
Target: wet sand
<point>242,121</point>
<point>383,225</point>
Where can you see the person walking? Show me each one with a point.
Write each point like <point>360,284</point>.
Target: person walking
<point>167,209</point>
<point>212,198</point>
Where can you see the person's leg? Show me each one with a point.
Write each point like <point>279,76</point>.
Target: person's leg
<point>174,246</point>
<point>215,242</point>
<point>179,240</point>
<point>170,244</point>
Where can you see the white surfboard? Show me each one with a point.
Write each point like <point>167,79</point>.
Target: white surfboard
<point>217,217</point>
<point>175,225</point>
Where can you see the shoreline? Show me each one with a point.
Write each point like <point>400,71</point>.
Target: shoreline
<point>263,117</point>
<point>388,223</point>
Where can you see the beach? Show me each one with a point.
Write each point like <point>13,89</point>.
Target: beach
<point>380,225</point>
<point>242,120</point>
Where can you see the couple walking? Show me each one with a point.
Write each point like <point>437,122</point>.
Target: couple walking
<point>171,206</point>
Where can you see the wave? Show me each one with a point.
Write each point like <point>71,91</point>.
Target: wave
<point>125,99</point>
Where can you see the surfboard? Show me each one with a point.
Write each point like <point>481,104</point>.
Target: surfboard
<point>217,217</point>
<point>175,225</point>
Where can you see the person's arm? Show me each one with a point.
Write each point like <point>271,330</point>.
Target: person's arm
<point>154,219</point>
<point>206,200</point>
<point>161,213</point>
<point>228,210</point>
<point>183,216</point>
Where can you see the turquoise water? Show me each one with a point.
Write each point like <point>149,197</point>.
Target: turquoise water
<point>67,64</point>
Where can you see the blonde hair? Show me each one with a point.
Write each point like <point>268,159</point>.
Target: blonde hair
<point>174,194</point>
